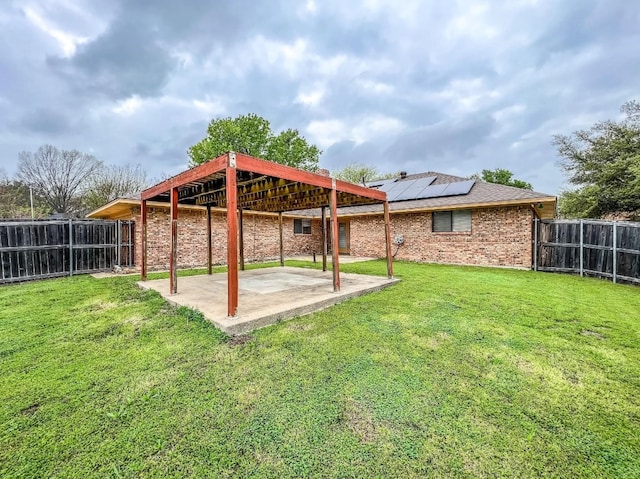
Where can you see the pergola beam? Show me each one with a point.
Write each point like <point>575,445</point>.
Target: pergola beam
<point>256,165</point>
<point>193,174</point>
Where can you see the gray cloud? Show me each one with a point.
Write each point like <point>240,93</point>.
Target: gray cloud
<point>46,121</point>
<point>455,87</point>
<point>442,139</point>
<point>127,60</point>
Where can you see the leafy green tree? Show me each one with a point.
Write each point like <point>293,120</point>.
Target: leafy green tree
<point>359,173</point>
<point>603,163</point>
<point>252,135</point>
<point>502,177</point>
<point>15,200</point>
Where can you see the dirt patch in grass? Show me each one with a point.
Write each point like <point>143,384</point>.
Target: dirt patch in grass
<point>100,305</point>
<point>28,411</point>
<point>305,326</point>
<point>592,334</point>
<point>240,340</point>
<point>525,366</point>
<point>135,320</point>
<point>360,421</point>
<point>435,341</point>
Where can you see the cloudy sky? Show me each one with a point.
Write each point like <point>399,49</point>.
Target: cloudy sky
<point>450,86</point>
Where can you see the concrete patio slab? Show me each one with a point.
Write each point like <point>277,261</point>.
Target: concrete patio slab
<point>266,295</point>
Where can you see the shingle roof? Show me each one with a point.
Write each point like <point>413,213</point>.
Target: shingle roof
<point>481,193</point>
<point>441,178</point>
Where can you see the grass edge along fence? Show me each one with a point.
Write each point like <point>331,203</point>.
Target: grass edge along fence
<point>38,249</point>
<point>604,249</point>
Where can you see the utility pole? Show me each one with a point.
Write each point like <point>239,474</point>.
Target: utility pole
<point>31,197</point>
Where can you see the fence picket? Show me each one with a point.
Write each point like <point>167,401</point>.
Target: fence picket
<point>36,249</point>
<point>606,249</point>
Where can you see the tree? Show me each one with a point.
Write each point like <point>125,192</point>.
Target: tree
<point>111,182</point>
<point>58,176</point>
<point>15,200</point>
<point>501,176</point>
<point>603,163</point>
<point>252,135</point>
<point>360,173</point>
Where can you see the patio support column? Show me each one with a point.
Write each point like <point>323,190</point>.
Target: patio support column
<point>232,235</point>
<point>241,230</point>
<point>333,204</point>
<point>281,238</point>
<point>173,260</point>
<point>209,253</point>
<point>324,237</point>
<point>387,235</point>
<point>143,234</point>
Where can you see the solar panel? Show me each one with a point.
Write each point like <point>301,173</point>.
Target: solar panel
<point>420,188</point>
<point>400,185</point>
<point>432,191</point>
<point>426,181</point>
<point>379,183</point>
<point>411,193</point>
<point>458,188</point>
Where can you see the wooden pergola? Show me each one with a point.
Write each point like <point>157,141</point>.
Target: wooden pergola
<point>238,183</point>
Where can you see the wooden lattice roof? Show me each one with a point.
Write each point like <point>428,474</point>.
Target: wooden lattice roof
<point>261,186</point>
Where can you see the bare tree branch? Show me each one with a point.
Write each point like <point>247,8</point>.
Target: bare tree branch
<point>60,177</point>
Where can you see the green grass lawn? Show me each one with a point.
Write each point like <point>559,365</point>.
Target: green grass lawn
<point>454,372</point>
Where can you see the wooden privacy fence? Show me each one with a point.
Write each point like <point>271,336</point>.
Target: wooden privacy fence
<point>37,249</point>
<point>607,249</point>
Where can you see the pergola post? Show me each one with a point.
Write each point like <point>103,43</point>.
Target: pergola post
<point>280,230</point>
<point>387,235</point>
<point>143,233</point>
<point>209,252</point>
<point>232,235</point>
<point>173,260</point>
<point>241,231</point>
<point>333,204</point>
<point>324,237</point>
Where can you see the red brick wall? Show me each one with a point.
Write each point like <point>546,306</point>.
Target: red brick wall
<point>498,237</point>
<point>261,238</point>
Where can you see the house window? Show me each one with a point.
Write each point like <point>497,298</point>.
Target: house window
<point>302,227</point>
<point>459,220</point>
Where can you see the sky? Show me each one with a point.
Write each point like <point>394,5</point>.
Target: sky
<point>448,86</point>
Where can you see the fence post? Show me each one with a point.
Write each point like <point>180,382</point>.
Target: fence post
<point>615,251</point>
<point>70,247</point>
<point>581,247</point>
<point>535,243</point>
<point>119,243</point>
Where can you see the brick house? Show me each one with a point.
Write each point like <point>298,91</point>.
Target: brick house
<point>478,223</point>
